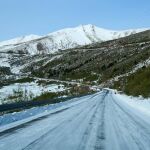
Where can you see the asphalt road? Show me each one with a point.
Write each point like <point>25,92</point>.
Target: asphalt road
<point>95,122</point>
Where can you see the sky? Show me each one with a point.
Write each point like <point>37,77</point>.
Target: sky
<point>40,17</point>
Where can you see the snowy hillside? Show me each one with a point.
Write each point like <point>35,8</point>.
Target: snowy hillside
<point>19,40</point>
<point>62,39</point>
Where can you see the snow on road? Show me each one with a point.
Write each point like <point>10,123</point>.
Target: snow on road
<point>102,121</point>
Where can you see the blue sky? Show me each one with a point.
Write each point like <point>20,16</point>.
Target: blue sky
<point>23,17</point>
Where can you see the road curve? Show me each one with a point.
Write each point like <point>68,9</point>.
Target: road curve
<point>96,122</point>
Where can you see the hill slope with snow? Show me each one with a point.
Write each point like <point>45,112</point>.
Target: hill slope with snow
<point>62,39</point>
<point>19,40</point>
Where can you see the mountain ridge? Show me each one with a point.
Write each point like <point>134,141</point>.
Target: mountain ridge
<point>63,39</point>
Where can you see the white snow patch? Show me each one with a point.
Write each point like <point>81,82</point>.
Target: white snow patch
<point>29,89</point>
<point>19,40</point>
<point>136,103</point>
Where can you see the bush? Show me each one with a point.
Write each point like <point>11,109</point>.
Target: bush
<point>135,84</point>
<point>23,80</point>
<point>139,83</point>
<point>47,95</point>
<point>80,90</point>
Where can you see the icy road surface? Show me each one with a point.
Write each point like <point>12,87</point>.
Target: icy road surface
<point>100,121</point>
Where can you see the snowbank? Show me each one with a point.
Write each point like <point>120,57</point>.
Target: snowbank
<point>136,103</point>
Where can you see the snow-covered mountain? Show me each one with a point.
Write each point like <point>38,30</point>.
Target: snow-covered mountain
<point>63,39</point>
<point>20,40</point>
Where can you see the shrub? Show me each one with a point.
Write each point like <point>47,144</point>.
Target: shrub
<point>47,95</point>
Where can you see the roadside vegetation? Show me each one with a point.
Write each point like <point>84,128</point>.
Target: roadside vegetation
<point>136,84</point>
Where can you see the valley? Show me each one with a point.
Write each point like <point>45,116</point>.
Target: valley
<point>74,71</point>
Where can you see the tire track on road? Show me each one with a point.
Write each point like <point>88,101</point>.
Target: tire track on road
<point>65,122</point>
<point>100,137</point>
<point>99,109</point>
<point>13,130</point>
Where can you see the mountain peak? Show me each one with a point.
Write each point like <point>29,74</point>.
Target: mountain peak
<point>87,25</point>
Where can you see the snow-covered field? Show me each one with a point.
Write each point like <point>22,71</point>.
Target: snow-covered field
<point>105,120</point>
<point>137,103</point>
<point>28,90</point>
